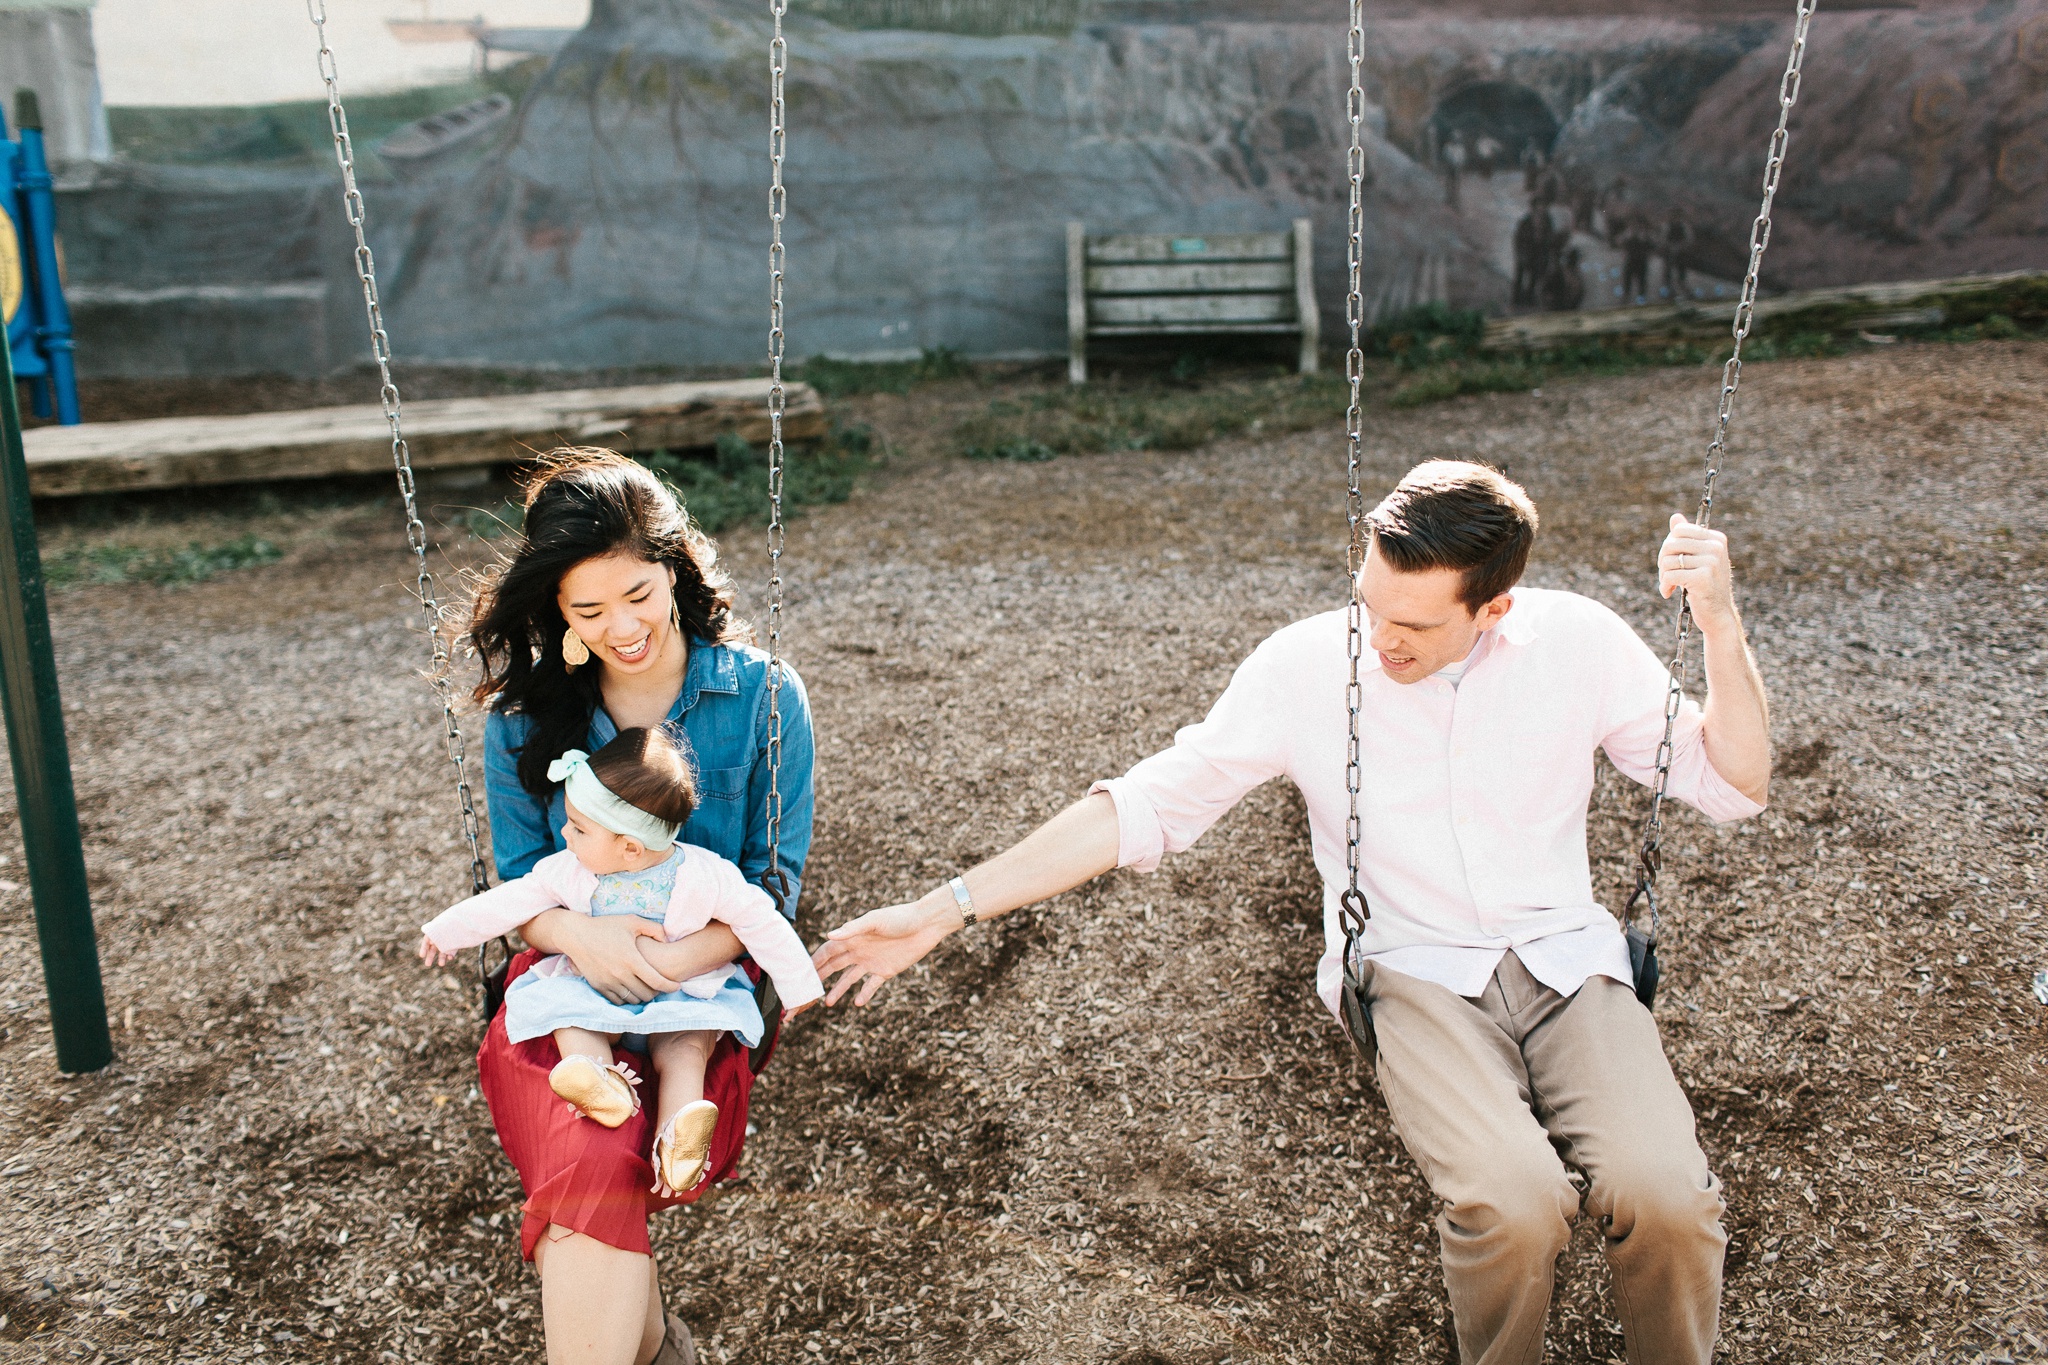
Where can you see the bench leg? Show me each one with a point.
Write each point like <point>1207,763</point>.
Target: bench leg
<point>1077,304</point>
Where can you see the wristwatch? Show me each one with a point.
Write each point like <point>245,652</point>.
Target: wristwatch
<point>958,886</point>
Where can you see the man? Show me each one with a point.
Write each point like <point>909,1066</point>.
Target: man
<point>1508,1032</point>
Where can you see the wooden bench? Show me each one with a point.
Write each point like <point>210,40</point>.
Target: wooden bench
<point>1157,284</point>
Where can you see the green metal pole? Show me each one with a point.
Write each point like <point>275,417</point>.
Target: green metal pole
<point>42,768</point>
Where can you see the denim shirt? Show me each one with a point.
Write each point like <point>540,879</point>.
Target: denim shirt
<point>721,719</point>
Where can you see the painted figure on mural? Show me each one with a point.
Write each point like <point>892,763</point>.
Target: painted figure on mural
<point>1638,244</point>
<point>1564,284</point>
<point>1529,254</point>
<point>1677,248</point>
<point>1614,209</point>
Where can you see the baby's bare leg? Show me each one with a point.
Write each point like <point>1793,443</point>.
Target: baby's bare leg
<point>581,1042</point>
<point>679,1060</point>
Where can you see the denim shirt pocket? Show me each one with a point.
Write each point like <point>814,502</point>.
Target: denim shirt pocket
<point>720,821</point>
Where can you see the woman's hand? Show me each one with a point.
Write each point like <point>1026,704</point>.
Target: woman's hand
<point>431,955</point>
<point>883,943</point>
<point>607,950</point>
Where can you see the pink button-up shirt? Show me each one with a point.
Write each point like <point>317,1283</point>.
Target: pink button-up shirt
<point>1473,794</point>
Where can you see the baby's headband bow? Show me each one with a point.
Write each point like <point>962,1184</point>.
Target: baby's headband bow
<point>589,795</point>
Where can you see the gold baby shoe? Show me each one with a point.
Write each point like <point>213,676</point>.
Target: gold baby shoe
<point>683,1144</point>
<point>606,1093</point>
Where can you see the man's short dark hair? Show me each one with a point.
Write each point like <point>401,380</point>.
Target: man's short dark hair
<point>1452,514</point>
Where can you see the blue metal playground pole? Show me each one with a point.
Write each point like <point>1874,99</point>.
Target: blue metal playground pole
<point>53,317</point>
<point>35,318</point>
<point>42,767</point>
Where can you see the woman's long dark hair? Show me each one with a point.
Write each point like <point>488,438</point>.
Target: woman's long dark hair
<point>583,504</point>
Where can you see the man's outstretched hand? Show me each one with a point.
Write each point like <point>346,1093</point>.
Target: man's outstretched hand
<point>883,943</point>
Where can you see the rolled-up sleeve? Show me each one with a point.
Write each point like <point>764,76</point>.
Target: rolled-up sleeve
<point>1169,800</point>
<point>1635,729</point>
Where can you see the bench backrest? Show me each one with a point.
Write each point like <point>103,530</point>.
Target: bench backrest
<point>1154,282</point>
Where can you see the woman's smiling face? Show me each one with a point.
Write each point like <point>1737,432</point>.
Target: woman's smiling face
<point>621,607</point>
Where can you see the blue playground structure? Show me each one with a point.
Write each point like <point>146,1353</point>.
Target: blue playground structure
<point>31,284</point>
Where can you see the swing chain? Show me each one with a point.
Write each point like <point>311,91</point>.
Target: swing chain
<point>1353,910</point>
<point>401,455</point>
<point>773,877</point>
<point>1650,858</point>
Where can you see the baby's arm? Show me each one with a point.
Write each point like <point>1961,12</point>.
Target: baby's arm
<point>497,911</point>
<point>726,896</point>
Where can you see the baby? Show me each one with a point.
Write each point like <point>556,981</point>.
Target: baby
<point>625,804</point>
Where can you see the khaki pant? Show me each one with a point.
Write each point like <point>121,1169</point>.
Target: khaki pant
<point>1493,1096</point>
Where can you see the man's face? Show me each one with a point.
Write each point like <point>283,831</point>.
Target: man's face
<point>1418,624</point>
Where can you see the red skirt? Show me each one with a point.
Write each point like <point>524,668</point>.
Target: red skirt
<point>580,1174</point>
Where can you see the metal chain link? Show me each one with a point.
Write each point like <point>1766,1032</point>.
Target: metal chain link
<point>401,457</point>
<point>1353,911</point>
<point>778,59</point>
<point>1650,859</point>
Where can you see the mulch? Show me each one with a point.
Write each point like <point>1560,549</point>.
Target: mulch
<point>1116,1128</point>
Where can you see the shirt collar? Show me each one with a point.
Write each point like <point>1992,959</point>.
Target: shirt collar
<point>1518,627</point>
<point>711,668</point>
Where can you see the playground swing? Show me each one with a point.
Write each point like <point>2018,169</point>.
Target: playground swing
<point>492,978</point>
<point>1353,912</point>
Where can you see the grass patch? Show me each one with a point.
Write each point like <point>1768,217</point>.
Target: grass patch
<point>1108,415</point>
<point>844,378</point>
<point>193,563</point>
<point>730,488</point>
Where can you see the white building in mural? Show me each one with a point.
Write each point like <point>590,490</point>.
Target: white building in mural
<point>46,46</point>
<point>80,56</point>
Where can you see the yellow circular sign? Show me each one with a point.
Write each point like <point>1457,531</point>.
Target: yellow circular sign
<point>10,270</point>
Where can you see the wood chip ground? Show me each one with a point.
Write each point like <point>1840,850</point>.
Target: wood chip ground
<point>1117,1128</point>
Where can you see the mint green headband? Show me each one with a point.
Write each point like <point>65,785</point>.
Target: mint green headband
<point>599,802</point>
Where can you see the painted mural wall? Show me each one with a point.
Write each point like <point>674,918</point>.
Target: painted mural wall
<point>1553,160</point>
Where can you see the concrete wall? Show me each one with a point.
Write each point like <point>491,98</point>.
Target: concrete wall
<point>931,177</point>
<point>47,48</point>
<point>621,216</point>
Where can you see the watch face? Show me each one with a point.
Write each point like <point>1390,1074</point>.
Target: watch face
<point>10,270</point>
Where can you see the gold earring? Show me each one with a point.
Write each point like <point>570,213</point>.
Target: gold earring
<point>574,651</point>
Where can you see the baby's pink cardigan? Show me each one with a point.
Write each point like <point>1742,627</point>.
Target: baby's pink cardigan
<point>708,888</point>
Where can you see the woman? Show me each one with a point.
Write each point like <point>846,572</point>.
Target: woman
<point>612,613</point>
